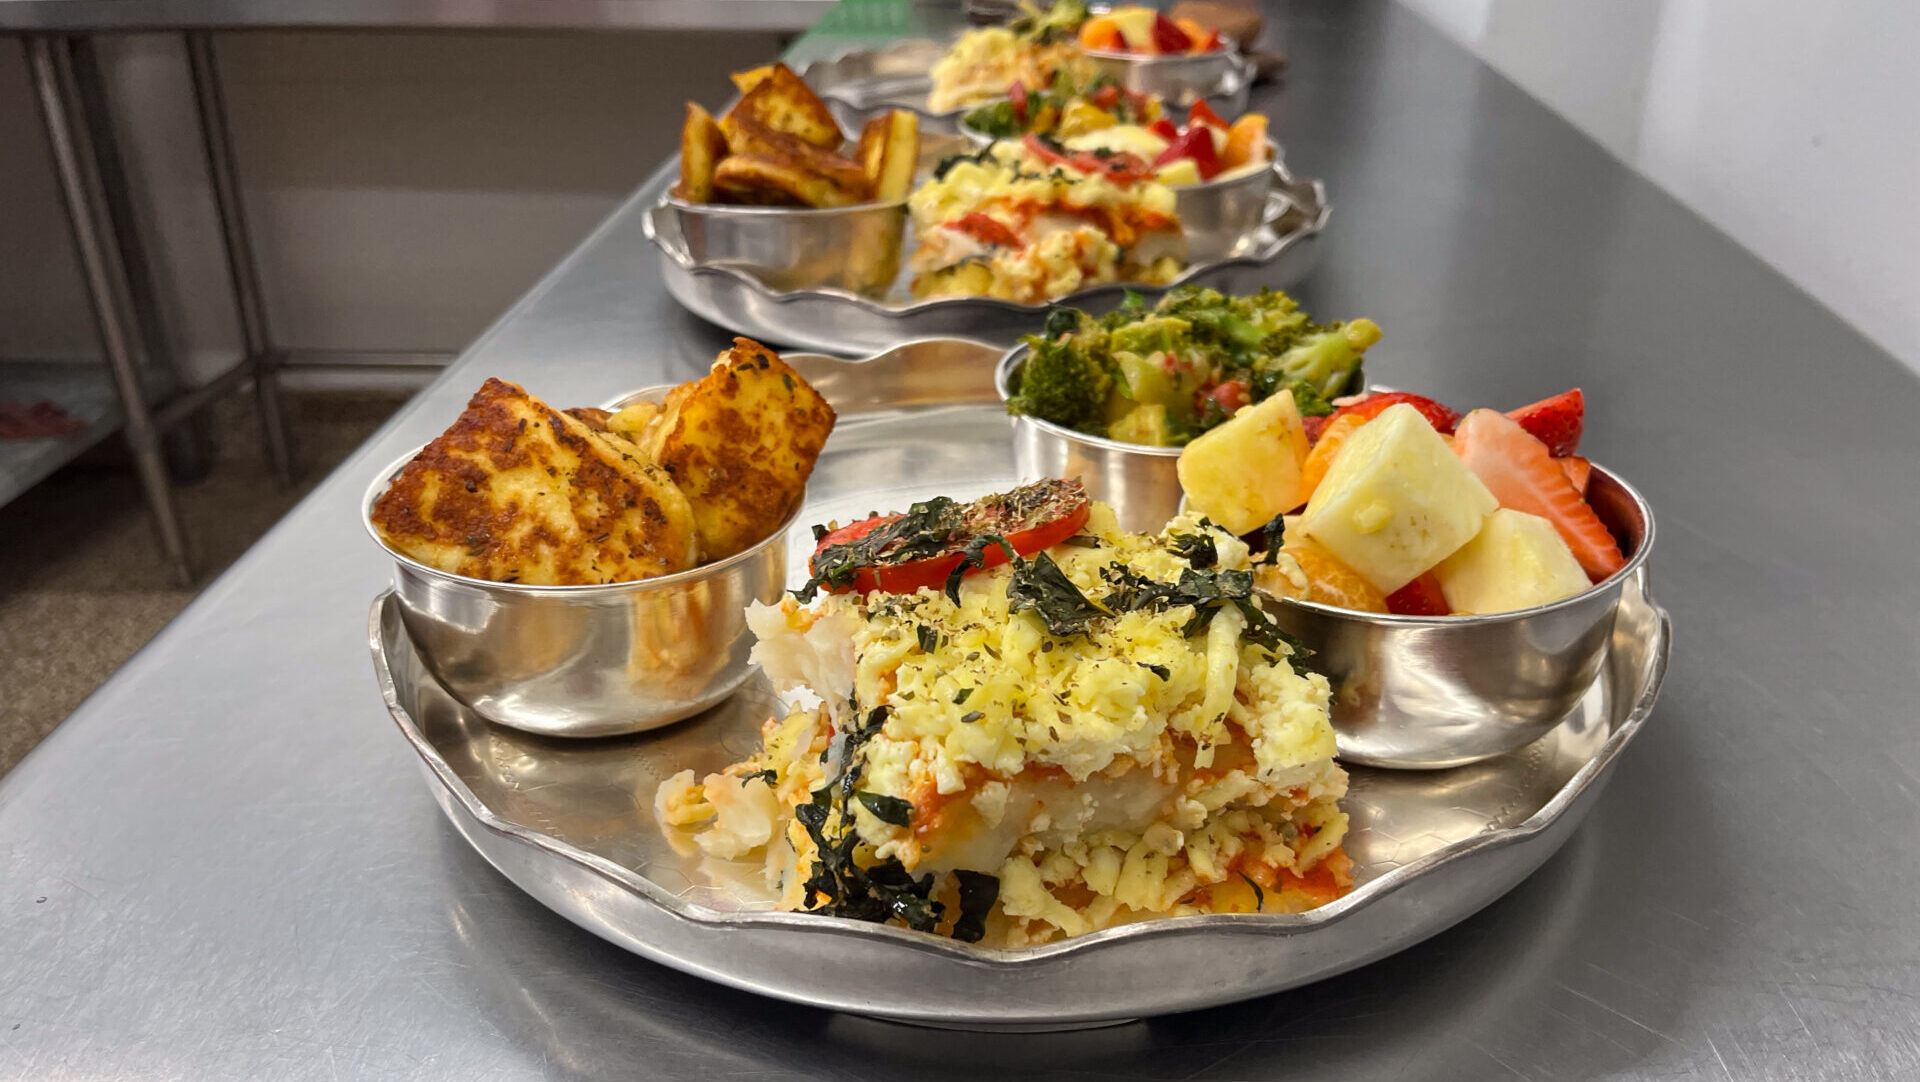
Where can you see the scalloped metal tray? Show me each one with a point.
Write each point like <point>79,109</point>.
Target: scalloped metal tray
<point>859,82</point>
<point>1278,253</point>
<point>571,821</point>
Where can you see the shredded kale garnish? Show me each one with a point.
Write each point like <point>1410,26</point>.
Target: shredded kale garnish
<point>928,638</point>
<point>1275,534</point>
<point>1083,541</point>
<point>978,892</point>
<point>839,886</point>
<point>1208,592</point>
<point>1039,586</point>
<point>1197,549</point>
<point>1259,896</point>
<point>961,696</point>
<point>887,809</point>
<point>1160,671</point>
<point>974,555</point>
<point>971,716</point>
<point>768,776</point>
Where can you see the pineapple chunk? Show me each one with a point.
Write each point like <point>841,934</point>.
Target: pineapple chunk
<point>1136,27</point>
<point>1246,471</point>
<point>1396,500</point>
<point>1517,561</point>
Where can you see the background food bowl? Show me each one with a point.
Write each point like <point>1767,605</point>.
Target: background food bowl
<point>1141,483</point>
<point>1429,692</point>
<point>587,660</point>
<point>1216,216</point>
<point>1181,79</point>
<point>853,248</point>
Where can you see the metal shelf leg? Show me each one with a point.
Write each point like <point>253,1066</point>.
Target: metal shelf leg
<point>218,144</point>
<point>50,61</point>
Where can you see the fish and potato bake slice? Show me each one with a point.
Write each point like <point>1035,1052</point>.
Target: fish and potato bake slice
<point>1088,729</point>
<point>516,491</point>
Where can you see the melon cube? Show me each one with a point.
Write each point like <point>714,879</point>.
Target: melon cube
<point>1396,500</point>
<point>1516,562</point>
<point>1247,470</point>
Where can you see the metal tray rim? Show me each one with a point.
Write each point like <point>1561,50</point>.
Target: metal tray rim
<point>1318,213</point>
<point>1588,776</point>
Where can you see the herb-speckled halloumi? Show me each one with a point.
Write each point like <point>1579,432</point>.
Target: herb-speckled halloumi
<point>741,443</point>
<point>516,491</point>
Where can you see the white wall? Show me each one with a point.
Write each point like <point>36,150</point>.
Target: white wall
<point>403,189</point>
<point>1789,125</point>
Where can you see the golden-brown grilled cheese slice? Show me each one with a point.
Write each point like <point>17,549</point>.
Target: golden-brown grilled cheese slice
<point>516,491</point>
<point>741,443</point>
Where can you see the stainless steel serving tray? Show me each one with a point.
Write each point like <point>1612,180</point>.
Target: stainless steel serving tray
<point>860,82</point>
<point>571,822</point>
<point>1278,254</point>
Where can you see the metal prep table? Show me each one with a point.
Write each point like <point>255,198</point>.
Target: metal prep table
<point>62,62</point>
<point>226,865</point>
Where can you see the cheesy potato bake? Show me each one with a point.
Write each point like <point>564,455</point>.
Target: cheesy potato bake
<point>1022,222</point>
<point>1099,730</point>
<point>516,491</point>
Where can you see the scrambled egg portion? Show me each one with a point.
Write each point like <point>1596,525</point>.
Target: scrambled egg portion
<point>1135,770</point>
<point>1009,225</point>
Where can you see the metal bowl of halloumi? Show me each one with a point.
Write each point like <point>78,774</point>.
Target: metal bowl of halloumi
<point>584,572</point>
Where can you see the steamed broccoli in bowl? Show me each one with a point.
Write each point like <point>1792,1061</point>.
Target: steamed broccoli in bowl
<point>1161,374</point>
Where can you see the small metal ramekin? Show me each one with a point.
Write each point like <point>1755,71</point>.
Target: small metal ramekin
<point>586,660</point>
<point>1140,483</point>
<point>853,248</point>
<point>1426,692</point>
<point>1216,216</point>
<point>1180,79</point>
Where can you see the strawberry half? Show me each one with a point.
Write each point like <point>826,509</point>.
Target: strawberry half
<point>1556,422</point>
<point>1421,597</point>
<point>1516,468</point>
<point>1440,417</point>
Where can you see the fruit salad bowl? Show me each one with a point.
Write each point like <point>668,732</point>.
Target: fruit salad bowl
<point>1428,692</point>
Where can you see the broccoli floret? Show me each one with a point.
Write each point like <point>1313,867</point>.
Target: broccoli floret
<point>996,120</point>
<point>1065,380</point>
<point>1327,359</point>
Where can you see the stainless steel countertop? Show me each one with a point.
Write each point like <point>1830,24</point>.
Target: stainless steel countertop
<point>87,16</point>
<point>226,865</point>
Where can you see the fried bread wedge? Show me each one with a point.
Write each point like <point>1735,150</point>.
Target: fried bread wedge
<point>516,491</point>
<point>755,180</point>
<point>702,145</point>
<point>741,443</point>
<point>782,101</point>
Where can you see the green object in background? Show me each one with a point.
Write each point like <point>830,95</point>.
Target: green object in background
<point>854,23</point>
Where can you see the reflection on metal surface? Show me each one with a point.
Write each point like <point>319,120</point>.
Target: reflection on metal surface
<point>571,822</point>
<point>859,82</point>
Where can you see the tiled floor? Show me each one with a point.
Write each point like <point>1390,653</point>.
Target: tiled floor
<point>82,583</point>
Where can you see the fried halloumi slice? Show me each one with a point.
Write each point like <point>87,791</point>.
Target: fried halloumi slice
<point>745,81</point>
<point>890,174</point>
<point>755,180</point>
<point>751,138</point>
<point>516,491</point>
<point>635,422</point>
<point>741,444</point>
<point>784,102</point>
<point>702,145</point>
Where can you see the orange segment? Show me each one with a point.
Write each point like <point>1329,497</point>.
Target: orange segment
<point>1246,142</point>
<point>1314,469</point>
<point>1331,582</point>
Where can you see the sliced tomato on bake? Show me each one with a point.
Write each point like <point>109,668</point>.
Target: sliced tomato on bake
<point>921,548</point>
